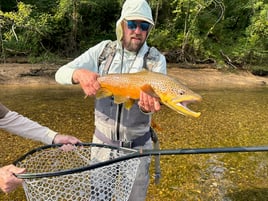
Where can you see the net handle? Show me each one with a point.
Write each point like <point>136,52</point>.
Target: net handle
<point>135,154</point>
<point>59,145</point>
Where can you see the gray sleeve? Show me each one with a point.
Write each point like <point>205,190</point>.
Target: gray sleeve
<point>88,60</point>
<point>24,127</point>
<point>3,111</point>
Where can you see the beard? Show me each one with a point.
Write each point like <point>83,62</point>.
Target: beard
<point>133,44</point>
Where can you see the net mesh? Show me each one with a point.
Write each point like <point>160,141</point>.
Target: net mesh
<point>108,183</point>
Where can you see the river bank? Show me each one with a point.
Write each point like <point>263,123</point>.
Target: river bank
<point>203,78</point>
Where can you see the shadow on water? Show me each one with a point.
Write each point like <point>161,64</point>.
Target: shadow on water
<point>229,118</point>
<point>256,194</point>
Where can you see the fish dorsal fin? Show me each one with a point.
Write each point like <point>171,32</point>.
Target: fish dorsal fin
<point>177,80</point>
<point>103,93</point>
<point>147,88</point>
<point>143,72</point>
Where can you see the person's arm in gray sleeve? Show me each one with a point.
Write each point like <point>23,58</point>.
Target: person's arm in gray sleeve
<point>20,125</point>
<point>24,127</point>
<point>88,60</point>
<point>3,111</point>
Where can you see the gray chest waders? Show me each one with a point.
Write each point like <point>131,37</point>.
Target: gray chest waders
<point>108,54</point>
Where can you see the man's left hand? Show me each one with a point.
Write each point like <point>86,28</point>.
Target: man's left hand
<point>148,103</point>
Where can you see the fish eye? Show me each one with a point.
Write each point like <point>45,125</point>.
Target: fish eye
<point>181,92</point>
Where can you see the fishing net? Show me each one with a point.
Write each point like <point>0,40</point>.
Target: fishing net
<point>57,175</point>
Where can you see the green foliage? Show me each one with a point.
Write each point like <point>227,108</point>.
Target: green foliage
<point>257,34</point>
<point>162,39</point>
<point>24,31</point>
<point>235,31</point>
<point>220,30</point>
<point>189,25</point>
<point>42,6</point>
<point>66,29</point>
<point>7,5</point>
<point>98,22</point>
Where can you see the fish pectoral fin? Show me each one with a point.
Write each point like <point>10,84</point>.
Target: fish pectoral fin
<point>129,103</point>
<point>149,90</point>
<point>120,99</point>
<point>103,93</point>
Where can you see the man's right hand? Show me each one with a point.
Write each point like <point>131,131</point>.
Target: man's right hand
<point>88,81</point>
<point>8,181</point>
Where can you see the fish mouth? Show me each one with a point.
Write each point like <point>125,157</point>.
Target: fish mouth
<point>180,105</point>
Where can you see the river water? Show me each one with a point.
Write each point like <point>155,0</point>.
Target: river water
<point>230,118</point>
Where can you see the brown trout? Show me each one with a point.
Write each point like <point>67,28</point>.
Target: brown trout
<point>126,89</point>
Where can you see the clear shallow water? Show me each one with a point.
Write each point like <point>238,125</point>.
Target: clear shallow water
<point>229,118</point>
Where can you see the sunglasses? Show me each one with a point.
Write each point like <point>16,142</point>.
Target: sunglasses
<point>132,25</point>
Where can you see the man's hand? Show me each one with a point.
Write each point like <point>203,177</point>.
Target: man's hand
<point>65,139</point>
<point>88,81</point>
<point>8,181</point>
<point>148,103</point>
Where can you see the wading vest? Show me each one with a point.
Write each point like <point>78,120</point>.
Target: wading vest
<point>112,119</point>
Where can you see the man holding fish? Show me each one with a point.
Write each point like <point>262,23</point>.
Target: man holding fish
<point>122,118</point>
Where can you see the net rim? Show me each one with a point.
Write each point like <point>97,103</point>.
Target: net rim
<point>135,154</point>
<point>74,170</point>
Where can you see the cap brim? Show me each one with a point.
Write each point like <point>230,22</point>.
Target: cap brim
<point>140,18</point>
